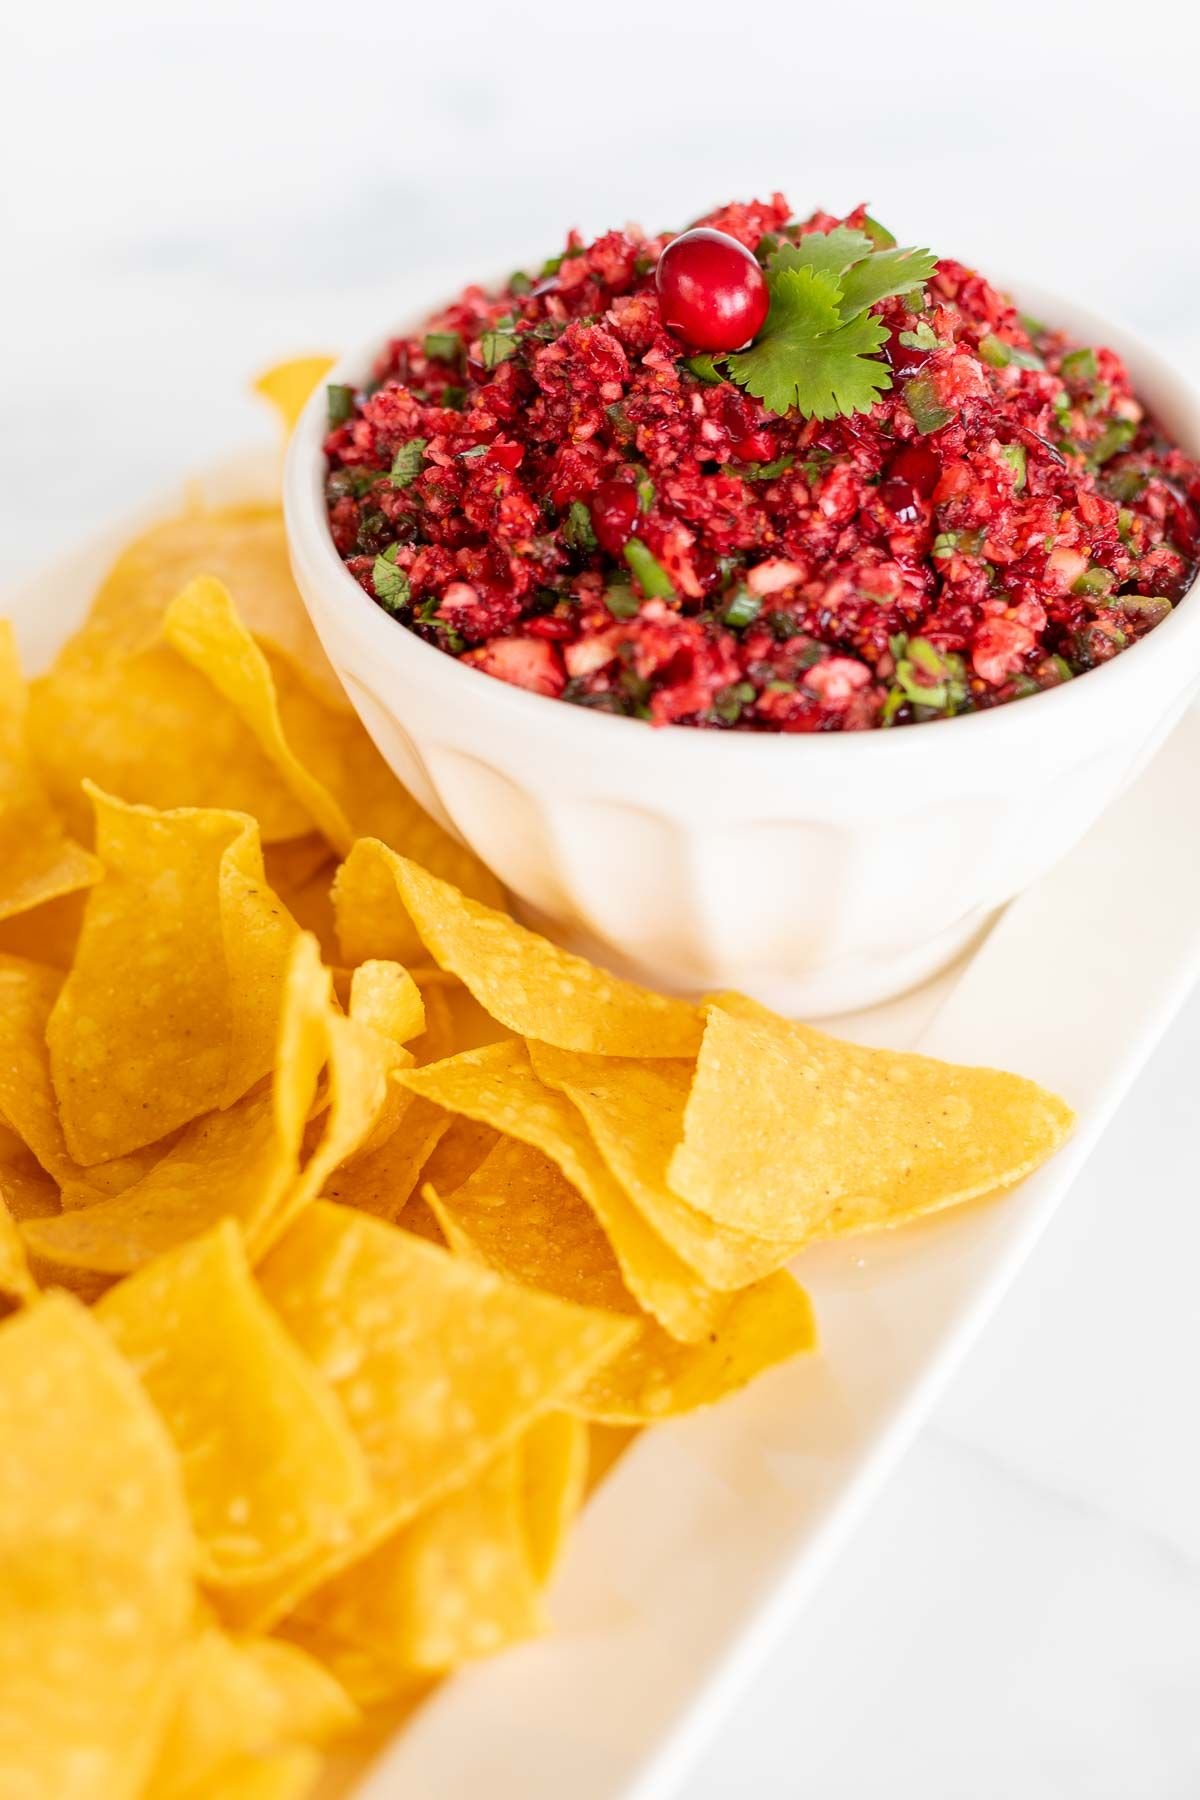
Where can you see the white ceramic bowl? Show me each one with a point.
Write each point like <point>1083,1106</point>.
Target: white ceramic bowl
<point>820,873</point>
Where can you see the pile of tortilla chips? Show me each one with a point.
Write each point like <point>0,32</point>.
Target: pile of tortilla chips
<point>342,1218</point>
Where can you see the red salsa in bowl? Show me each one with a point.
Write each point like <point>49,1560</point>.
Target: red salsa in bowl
<point>901,499</point>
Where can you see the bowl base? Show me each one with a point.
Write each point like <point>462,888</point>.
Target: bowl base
<point>847,986</point>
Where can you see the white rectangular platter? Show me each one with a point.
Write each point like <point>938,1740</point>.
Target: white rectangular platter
<point>701,1545</point>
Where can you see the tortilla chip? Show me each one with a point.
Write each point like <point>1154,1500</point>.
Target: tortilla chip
<point>171,1005</point>
<point>382,1182</point>
<point>633,1109</point>
<point>798,1135</point>
<point>438,1364</point>
<point>292,865</point>
<point>518,1214</point>
<point>243,1700</point>
<point>497,1086</point>
<point>240,1164</point>
<point>291,1774</point>
<point>554,1470</point>
<point>38,862</point>
<point>455,1585</point>
<point>149,728</point>
<point>16,1282</point>
<point>46,934</point>
<point>270,1465</point>
<point>521,979</point>
<point>243,547</point>
<point>287,386</point>
<point>327,762</point>
<point>456,1020</point>
<point>27,1105</point>
<point>97,1596</point>
<point>384,996</point>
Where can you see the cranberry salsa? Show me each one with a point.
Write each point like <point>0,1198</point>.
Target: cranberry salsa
<point>764,475</point>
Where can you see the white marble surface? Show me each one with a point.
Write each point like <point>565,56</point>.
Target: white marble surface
<point>192,188</point>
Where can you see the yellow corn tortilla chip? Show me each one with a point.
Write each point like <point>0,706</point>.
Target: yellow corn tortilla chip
<point>96,1597</point>
<point>327,762</point>
<point>27,1105</point>
<point>554,1468</point>
<point>384,996</point>
<point>521,979</point>
<point>241,1164</point>
<point>633,1108</point>
<point>497,1086</point>
<point>290,1774</point>
<point>243,1700</point>
<point>438,1364</point>
<point>455,1585</point>
<point>792,1133</point>
<point>38,862</point>
<point>518,1214</point>
<point>171,1005</point>
<point>292,865</point>
<point>270,1465</point>
<point>456,1019</point>
<point>382,1182</point>
<point>287,386</point>
<point>46,934</point>
<point>243,547</point>
<point>16,1282</point>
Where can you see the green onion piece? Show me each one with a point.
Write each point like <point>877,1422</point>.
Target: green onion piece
<point>577,527</point>
<point>1014,456</point>
<point>340,402</point>
<point>1095,581</point>
<point>390,583</point>
<point>407,462</point>
<point>1030,326</point>
<point>1063,668</point>
<point>767,471</point>
<point>742,610</point>
<point>645,494</point>
<point>443,346</point>
<point>1115,436</point>
<point>926,658</point>
<point>621,601</point>
<point>729,702</point>
<point>928,414</point>
<point>552,265</point>
<point>1151,606</point>
<point>704,368</point>
<point>496,347</point>
<point>647,571</point>
<point>944,545</point>
<point>1062,401</point>
<point>891,706</point>
<point>519,283</point>
<point>1079,367</point>
<point>454,398</point>
<point>1124,485</point>
<point>780,687</point>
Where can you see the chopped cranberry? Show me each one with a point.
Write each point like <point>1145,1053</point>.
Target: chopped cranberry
<point>905,359</point>
<point>711,290</point>
<point>901,498</point>
<point>757,446</point>
<point>505,456</point>
<point>614,506</point>
<point>524,661</point>
<point>919,466</point>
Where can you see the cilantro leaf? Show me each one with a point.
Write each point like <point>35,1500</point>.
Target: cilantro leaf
<point>825,252</point>
<point>882,274</point>
<point>390,583</point>
<point>407,463</point>
<point>807,357</point>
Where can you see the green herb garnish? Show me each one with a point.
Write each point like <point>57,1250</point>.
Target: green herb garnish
<point>742,609</point>
<point>340,403</point>
<point>443,346</point>
<point>496,347</point>
<point>818,351</point>
<point>704,368</point>
<point>577,527</point>
<point>928,414</point>
<point>1116,436</point>
<point>391,584</point>
<point>621,601</point>
<point>407,463</point>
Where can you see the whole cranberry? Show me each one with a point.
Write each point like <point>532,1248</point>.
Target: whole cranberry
<point>711,290</point>
<point>918,465</point>
<point>614,508</point>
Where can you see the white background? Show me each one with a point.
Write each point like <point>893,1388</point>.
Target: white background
<point>190,190</point>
